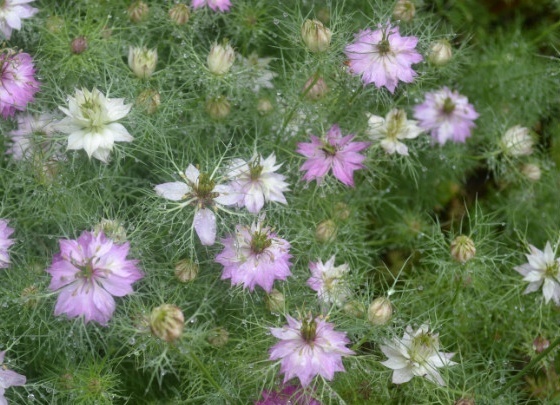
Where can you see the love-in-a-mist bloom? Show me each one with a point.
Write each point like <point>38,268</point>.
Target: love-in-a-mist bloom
<point>383,57</point>
<point>17,81</point>
<point>447,115</point>
<point>257,69</point>
<point>256,182</point>
<point>8,378</point>
<point>329,281</point>
<point>216,5</point>
<point>392,129</point>
<point>416,354</point>
<point>91,123</point>
<point>542,269</point>
<point>5,243</point>
<point>255,256</point>
<point>309,347</point>
<point>333,151</point>
<point>200,190</point>
<point>88,272</point>
<point>11,14</point>
<point>33,133</point>
<point>287,395</point>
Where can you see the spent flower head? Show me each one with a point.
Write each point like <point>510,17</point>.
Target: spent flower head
<point>391,129</point>
<point>11,14</point>
<point>329,281</point>
<point>17,81</point>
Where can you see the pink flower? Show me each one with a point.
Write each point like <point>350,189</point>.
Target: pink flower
<point>11,14</point>
<point>221,5</point>
<point>256,182</point>
<point>309,347</point>
<point>447,114</point>
<point>8,378</point>
<point>255,256</point>
<point>383,57</point>
<point>289,395</point>
<point>5,243</point>
<point>200,190</point>
<point>329,281</point>
<point>17,84</point>
<point>29,128</point>
<point>336,152</point>
<point>88,272</point>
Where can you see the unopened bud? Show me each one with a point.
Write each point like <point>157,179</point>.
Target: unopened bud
<point>440,52</point>
<point>341,211</point>
<point>380,311</point>
<point>264,106</point>
<point>138,11</point>
<point>142,61</point>
<point>179,14</point>
<point>149,100</point>
<point>517,141</point>
<point>462,248</point>
<point>218,337</point>
<point>315,88</point>
<point>186,270</point>
<point>79,45</point>
<point>531,171</point>
<point>220,59</point>
<point>355,309</point>
<point>540,344</point>
<point>29,295</point>
<point>54,24</point>
<point>167,322</point>
<point>404,10</point>
<point>275,301</point>
<point>218,108</point>
<point>316,36</point>
<point>112,228</point>
<point>326,231</point>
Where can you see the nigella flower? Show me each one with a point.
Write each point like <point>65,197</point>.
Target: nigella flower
<point>90,123</point>
<point>17,84</point>
<point>447,115</point>
<point>30,127</point>
<point>542,269</point>
<point>392,129</point>
<point>5,243</point>
<point>88,272</point>
<point>216,5</point>
<point>289,395</point>
<point>261,77</point>
<point>383,57</point>
<point>199,189</point>
<point>255,256</point>
<point>336,152</point>
<point>256,182</point>
<point>329,281</point>
<point>11,14</point>
<point>309,347</point>
<point>8,378</point>
<point>416,354</point>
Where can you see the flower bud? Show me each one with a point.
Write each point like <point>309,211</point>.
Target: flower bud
<point>138,11</point>
<point>531,171</point>
<point>380,311</point>
<point>218,337</point>
<point>354,308</point>
<point>186,270</point>
<point>79,45</point>
<point>112,228</point>
<point>326,231</point>
<point>54,24</point>
<point>29,295</point>
<point>540,344</point>
<point>149,100</point>
<point>341,211</point>
<point>264,106</point>
<point>142,61</point>
<point>179,14</point>
<point>316,36</point>
<point>220,59</point>
<point>462,248</point>
<point>218,108</point>
<point>517,141</point>
<point>275,301</point>
<point>440,52</point>
<point>315,88</point>
<point>404,10</point>
<point>167,322</point>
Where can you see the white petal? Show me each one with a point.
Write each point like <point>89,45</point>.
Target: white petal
<point>401,376</point>
<point>192,173</point>
<point>205,226</point>
<point>119,132</point>
<point>174,191</point>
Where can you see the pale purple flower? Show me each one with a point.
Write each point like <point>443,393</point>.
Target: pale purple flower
<point>334,151</point>
<point>88,272</point>
<point>30,127</point>
<point>383,57</point>
<point>17,83</point>
<point>309,347</point>
<point>288,395</point>
<point>255,256</point>
<point>201,191</point>
<point>329,281</point>
<point>216,5</point>
<point>8,378</point>
<point>416,354</point>
<point>447,115</point>
<point>542,269</point>
<point>256,182</point>
<point>11,14</point>
<point>5,243</point>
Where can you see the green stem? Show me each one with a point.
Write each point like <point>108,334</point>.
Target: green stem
<point>209,376</point>
<point>546,32</point>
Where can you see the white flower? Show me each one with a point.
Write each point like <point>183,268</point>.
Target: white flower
<point>391,129</point>
<point>90,123</point>
<point>329,281</point>
<point>416,354</point>
<point>142,61</point>
<point>11,14</point>
<point>261,77</point>
<point>256,183</point>
<point>517,141</point>
<point>29,127</point>
<point>200,190</point>
<point>542,269</point>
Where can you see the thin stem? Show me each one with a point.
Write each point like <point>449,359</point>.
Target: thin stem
<point>208,375</point>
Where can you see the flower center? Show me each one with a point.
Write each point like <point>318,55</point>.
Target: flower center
<point>551,270</point>
<point>448,106</point>
<point>308,330</point>
<point>395,124</point>
<point>86,271</point>
<point>329,149</point>
<point>204,190</point>
<point>423,346</point>
<point>260,242</point>
<point>383,47</point>
<point>255,170</point>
